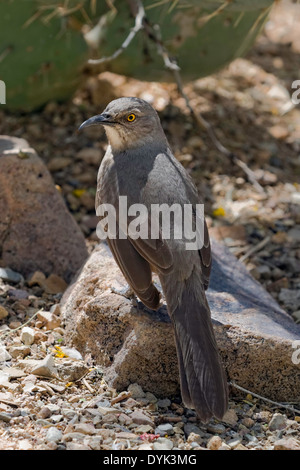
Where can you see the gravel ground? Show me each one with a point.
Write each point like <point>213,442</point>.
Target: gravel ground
<point>50,398</point>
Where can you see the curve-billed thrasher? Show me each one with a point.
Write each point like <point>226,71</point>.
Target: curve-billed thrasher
<point>139,164</point>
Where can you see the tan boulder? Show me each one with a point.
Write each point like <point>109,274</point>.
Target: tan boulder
<point>255,337</point>
<point>37,232</point>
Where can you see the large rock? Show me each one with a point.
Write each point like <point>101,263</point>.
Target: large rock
<point>255,337</point>
<point>37,232</point>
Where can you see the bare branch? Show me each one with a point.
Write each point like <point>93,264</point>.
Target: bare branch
<point>139,20</point>
<point>255,248</point>
<point>279,405</point>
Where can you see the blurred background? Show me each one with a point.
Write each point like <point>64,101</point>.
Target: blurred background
<point>237,63</point>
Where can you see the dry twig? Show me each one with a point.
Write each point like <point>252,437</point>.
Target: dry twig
<point>139,19</point>
<point>279,405</point>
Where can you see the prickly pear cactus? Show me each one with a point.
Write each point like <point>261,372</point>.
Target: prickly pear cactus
<point>203,36</point>
<point>42,50</point>
<point>45,44</point>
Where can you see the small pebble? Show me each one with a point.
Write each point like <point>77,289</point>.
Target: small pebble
<point>233,443</point>
<point>9,275</point>
<point>164,403</point>
<point>136,391</point>
<point>27,335</point>
<point>164,430</point>
<point>162,443</point>
<point>277,422</point>
<point>3,312</point>
<point>214,443</point>
<point>216,428</point>
<point>53,435</point>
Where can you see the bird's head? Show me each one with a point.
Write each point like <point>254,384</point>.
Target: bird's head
<point>129,123</point>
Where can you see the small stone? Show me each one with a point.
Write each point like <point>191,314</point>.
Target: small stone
<point>31,387</point>
<point>9,275</point>
<point>277,422</point>
<point>192,428</point>
<point>85,428</point>
<point>139,417</point>
<point>56,418</point>
<point>17,294</point>
<point>27,335</point>
<point>136,391</point>
<point>162,444</point>
<point>53,435</point>
<point>50,320</point>
<point>14,372</point>
<point>95,442</point>
<point>70,370</point>
<point>25,444</point>
<point>53,408</point>
<point>4,355</point>
<point>224,446</point>
<point>36,278</point>
<point>287,444</point>
<point>72,353</point>
<point>164,403</point>
<point>233,443</point>
<point>126,420</point>
<point>5,416</point>
<point>3,312</point>
<point>216,428</point>
<point>55,284</point>
<point>194,438</point>
<point>39,336</point>
<point>214,443</point>
<point>240,447</point>
<point>14,324</point>
<point>44,413</point>
<point>150,397</point>
<point>248,422</point>
<point>143,428</point>
<point>45,367</point>
<point>145,446</point>
<point>126,435</point>
<point>164,430</point>
<point>77,446</point>
<point>263,416</point>
<point>19,351</point>
<point>55,309</point>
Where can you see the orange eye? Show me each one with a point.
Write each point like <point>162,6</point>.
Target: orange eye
<point>131,117</point>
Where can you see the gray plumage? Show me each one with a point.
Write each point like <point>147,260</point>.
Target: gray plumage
<point>139,164</point>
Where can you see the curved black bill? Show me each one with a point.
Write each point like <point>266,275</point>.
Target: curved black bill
<point>94,121</point>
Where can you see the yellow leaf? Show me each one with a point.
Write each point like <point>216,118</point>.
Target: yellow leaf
<point>59,353</point>
<point>78,192</point>
<point>219,212</point>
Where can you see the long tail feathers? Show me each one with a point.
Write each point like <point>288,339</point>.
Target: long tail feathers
<point>202,377</point>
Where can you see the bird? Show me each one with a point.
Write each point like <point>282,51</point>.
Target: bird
<point>139,165</point>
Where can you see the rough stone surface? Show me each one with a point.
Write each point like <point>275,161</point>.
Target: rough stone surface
<point>37,232</point>
<point>254,335</point>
